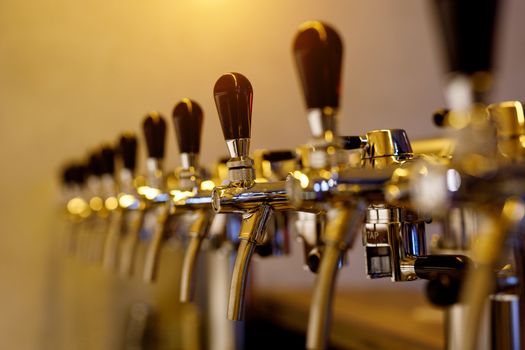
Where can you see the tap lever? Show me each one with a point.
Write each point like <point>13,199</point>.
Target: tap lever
<point>318,53</point>
<point>95,166</point>
<point>154,127</point>
<point>467,29</point>
<point>353,142</point>
<point>108,160</point>
<point>127,149</point>
<point>187,119</point>
<point>445,274</point>
<point>454,266</point>
<point>233,95</point>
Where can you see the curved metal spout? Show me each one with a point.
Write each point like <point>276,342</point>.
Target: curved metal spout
<point>239,277</point>
<point>109,258</point>
<point>480,283</point>
<point>253,228</point>
<point>133,221</point>
<point>152,253</point>
<point>321,303</point>
<point>341,230</point>
<point>197,233</point>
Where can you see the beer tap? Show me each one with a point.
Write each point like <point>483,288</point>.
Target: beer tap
<point>127,199</point>
<point>155,199</point>
<point>255,201</point>
<point>318,52</point>
<point>189,197</point>
<point>351,197</point>
<point>95,222</point>
<point>73,186</point>
<point>471,193</point>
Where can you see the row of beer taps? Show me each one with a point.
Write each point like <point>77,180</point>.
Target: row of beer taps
<point>378,186</point>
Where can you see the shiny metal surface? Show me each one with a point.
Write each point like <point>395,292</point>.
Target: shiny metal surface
<point>231,199</point>
<point>252,233</point>
<point>239,148</point>
<point>323,123</point>
<point>342,227</point>
<point>505,322</point>
<point>393,238</point>
<point>197,232</point>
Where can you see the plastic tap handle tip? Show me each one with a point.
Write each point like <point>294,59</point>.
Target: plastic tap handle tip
<point>108,160</point>
<point>127,149</point>
<point>467,30</point>
<point>187,119</point>
<point>95,166</point>
<point>154,128</point>
<point>233,95</point>
<point>318,53</point>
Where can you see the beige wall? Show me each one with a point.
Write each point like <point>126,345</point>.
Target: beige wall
<point>75,73</point>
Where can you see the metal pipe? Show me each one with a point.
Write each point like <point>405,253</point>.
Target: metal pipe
<point>197,232</point>
<point>321,303</point>
<point>341,230</point>
<point>253,227</point>
<point>153,249</point>
<point>480,282</point>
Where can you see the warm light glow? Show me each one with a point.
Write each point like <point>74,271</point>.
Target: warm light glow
<point>303,178</point>
<point>96,203</point>
<point>453,180</point>
<point>318,26</point>
<point>207,185</point>
<point>111,203</point>
<point>180,195</point>
<point>126,200</point>
<point>148,192</point>
<point>77,206</point>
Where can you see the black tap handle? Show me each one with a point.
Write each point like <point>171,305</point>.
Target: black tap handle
<point>108,160</point>
<point>154,128</point>
<point>80,174</point>
<point>277,156</point>
<point>318,53</point>
<point>351,142</point>
<point>233,95</point>
<point>187,119</point>
<point>427,267</point>
<point>445,275</point>
<point>440,117</point>
<point>127,149</point>
<point>467,29</point>
<point>68,174</point>
<point>443,290</point>
<point>95,166</point>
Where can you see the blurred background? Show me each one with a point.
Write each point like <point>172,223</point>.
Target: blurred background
<point>74,74</point>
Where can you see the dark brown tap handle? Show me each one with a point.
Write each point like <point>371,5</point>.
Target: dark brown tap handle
<point>154,128</point>
<point>187,120</point>
<point>351,142</point>
<point>445,275</point>
<point>233,95</point>
<point>95,166</point>
<point>80,174</point>
<point>318,53</point>
<point>68,174</point>
<point>440,117</point>
<point>127,149</point>
<point>107,155</point>
<point>467,30</point>
<point>277,156</point>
